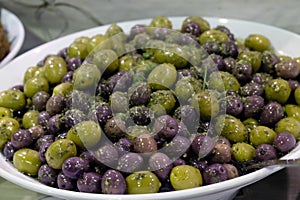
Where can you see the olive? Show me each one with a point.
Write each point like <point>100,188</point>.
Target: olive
<point>287,69</point>
<point>27,161</point>
<point>192,28</point>
<point>89,182</point>
<point>86,77</point>
<point>284,142</point>
<point>213,35</point>
<point>113,182</point>
<point>232,171</point>
<point>55,69</point>
<point>292,110</point>
<point>5,112</point>
<point>106,155</point>
<point>47,175</point>
<point>206,103</point>
<point>242,71</point>
<point>161,21</point>
<point>34,71</point>
<point>40,99</point>
<point>273,112</point>
<point>186,87</point>
<point>77,50</point>
<point>9,151</point>
<point>74,167</point>
<point>223,81</point>
<point>214,173</point>
<point>139,94</point>
<point>119,102</point>
<point>290,125</point>
<point>34,85</point>
<point>59,151</point>
<point>232,128</point>
<point>30,119</point>
<point>113,29</point>
<point>269,59</point>
<point>163,76</point>
<point>277,90</point>
<point>98,41</point>
<point>258,42</point>
<point>203,24</point>
<point>251,88</point>
<point>126,63</point>
<point>161,165</point>
<point>202,145</point>
<point>242,151</point>
<point>12,99</point>
<point>66,183</point>
<point>262,135</point>
<point>297,95</point>
<point>250,123</point>
<point>175,55</point>
<point>253,106</point>
<point>185,177</point>
<point>115,128</point>
<point>221,153</point>
<point>85,134</point>
<point>63,89</point>
<point>265,152</point>
<point>106,60</point>
<point>142,182</point>
<point>144,143</point>
<point>21,139</point>
<point>55,104</point>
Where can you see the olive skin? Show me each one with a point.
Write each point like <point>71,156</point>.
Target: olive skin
<point>163,76</point>
<point>161,21</point>
<point>12,99</point>
<point>258,42</point>
<point>5,112</point>
<point>27,161</point>
<point>106,60</point>
<point>242,151</point>
<point>297,95</point>
<point>185,177</point>
<point>203,24</point>
<point>292,110</point>
<point>262,135</point>
<point>277,90</point>
<point>232,128</point>
<point>30,119</point>
<point>59,151</point>
<point>8,127</point>
<point>34,85</point>
<point>142,182</point>
<point>85,134</point>
<point>213,35</point>
<point>86,77</point>
<point>55,69</point>
<point>223,81</point>
<point>206,103</point>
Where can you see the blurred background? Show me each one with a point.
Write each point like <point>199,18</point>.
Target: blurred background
<point>45,20</point>
<point>49,19</point>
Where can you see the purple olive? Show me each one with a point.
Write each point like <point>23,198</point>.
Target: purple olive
<point>89,182</point>
<point>74,167</point>
<point>215,173</point>
<point>47,175</point>
<point>113,182</point>
<point>284,142</point>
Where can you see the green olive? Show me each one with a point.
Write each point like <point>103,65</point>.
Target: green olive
<point>97,42</point>
<point>8,127</point>
<point>33,72</point>
<point>231,128</point>
<point>250,124</point>
<point>27,161</point>
<point>258,42</point>
<point>55,69</point>
<point>126,63</point>
<point>142,182</point>
<point>86,77</point>
<point>162,101</point>
<point>262,135</point>
<point>107,60</point>
<point>252,57</point>
<point>204,25</point>
<point>5,112</point>
<point>59,151</point>
<point>297,95</point>
<point>185,177</point>
<point>34,85</point>
<point>12,99</point>
<point>30,119</point>
<point>78,50</point>
<point>292,110</point>
<point>243,152</point>
<point>174,55</point>
<point>161,21</point>
<point>113,29</point>
<point>277,90</point>
<point>82,40</point>
<point>186,87</point>
<point>206,103</point>
<point>213,35</point>
<point>223,81</point>
<point>162,76</point>
<point>85,134</point>
<point>63,89</point>
<point>290,125</point>
<point>284,57</point>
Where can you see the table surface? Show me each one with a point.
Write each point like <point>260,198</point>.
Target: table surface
<point>283,185</point>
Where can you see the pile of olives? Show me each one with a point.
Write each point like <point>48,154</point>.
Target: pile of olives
<point>152,110</point>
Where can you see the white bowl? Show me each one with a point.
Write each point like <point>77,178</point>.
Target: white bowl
<point>15,32</point>
<point>285,42</point>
